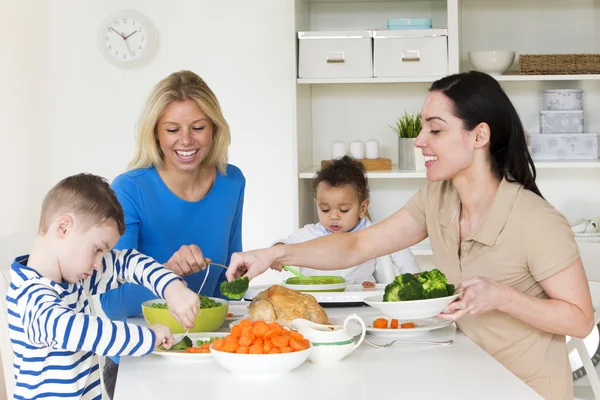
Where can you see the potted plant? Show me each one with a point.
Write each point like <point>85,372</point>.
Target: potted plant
<point>407,128</point>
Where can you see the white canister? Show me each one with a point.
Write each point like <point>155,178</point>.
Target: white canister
<point>372,149</point>
<point>338,149</point>
<point>357,149</point>
<point>563,99</point>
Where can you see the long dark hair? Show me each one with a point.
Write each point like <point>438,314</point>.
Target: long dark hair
<point>478,98</point>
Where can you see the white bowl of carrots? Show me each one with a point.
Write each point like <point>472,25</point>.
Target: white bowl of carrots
<point>260,348</point>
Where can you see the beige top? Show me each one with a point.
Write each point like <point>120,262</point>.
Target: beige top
<point>521,241</point>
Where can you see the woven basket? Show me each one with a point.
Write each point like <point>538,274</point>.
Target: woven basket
<point>559,64</point>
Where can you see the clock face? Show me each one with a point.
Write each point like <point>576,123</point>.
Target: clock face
<point>125,38</point>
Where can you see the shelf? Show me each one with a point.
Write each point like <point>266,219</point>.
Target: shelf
<point>521,78</point>
<point>395,173</point>
<point>430,79</point>
<point>324,81</point>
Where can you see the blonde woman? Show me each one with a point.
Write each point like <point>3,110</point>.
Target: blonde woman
<point>182,200</point>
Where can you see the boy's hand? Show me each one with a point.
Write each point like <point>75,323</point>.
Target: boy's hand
<point>164,337</point>
<point>183,303</point>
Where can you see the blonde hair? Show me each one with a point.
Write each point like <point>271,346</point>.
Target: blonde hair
<point>180,86</point>
<point>87,196</point>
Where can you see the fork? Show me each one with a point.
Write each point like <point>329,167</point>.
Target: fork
<point>386,345</point>
<point>199,290</point>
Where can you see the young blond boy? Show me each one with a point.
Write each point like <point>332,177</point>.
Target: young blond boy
<point>55,340</point>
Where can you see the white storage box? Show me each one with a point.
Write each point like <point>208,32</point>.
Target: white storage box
<point>410,53</point>
<point>563,99</point>
<point>555,121</point>
<point>346,54</point>
<point>564,146</point>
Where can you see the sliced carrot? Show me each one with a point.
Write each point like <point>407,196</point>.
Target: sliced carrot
<point>407,325</point>
<point>257,340</point>
<point>267,345</point>
<point>394,324</point>
<point>236,330</point>
<point>280,341</point>
<point>271,334</point>
<point>296,335</point>
<point>246,340</point>
<point>256,350</point>
<point>247,330</point>
<point>230,347</point>
<point>304,344</point>
<point>218,344</point>
<point>243,350</point>
<point>274,326</point>
<point>380,323</point>
<point>245,323</point>
<point>285,332</point>
<point>274,350</point>
<point>229,315</point>
<point>286,349</point>
<point>260,330</point>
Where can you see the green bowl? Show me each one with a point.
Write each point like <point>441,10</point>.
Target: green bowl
<point>317,284</point>
<point>316,280</point>
<point>207,320</point>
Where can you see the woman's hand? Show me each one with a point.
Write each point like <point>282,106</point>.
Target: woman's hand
<point>187,260</point>
<point>480,295</point>
<point>182,302</point>
<point>250,263</point>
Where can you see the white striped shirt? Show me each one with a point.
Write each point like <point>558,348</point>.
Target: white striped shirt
<point>55,339</point>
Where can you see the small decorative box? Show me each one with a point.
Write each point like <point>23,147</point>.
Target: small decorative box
<point>563,99</point>
<point>564,146</point>
<point>555,121</point>
<point>409,23</point>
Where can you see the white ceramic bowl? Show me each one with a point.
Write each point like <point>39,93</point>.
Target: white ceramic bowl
<point>260,364</point>
<point>492,62</point>
<point>412,309</point>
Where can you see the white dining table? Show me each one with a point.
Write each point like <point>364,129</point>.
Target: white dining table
<point>461,370</point>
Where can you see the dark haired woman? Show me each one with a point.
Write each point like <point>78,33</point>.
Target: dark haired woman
<point>491,230</point>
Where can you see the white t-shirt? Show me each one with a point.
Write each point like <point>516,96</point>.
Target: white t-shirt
<point>403,260</point>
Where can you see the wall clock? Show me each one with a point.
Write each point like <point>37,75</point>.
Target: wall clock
<point>128,39</point>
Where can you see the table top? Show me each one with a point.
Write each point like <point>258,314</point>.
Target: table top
<point>460,370</point>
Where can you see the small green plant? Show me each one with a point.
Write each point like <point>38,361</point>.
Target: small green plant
<point>408,126</point>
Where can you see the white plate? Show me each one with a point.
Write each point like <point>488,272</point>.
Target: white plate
<point>413,309</point>
<point>353,293</point>
<point>587,235</point>
<point>421,326</point>
<point>190,357</point>
<point>239,310</point>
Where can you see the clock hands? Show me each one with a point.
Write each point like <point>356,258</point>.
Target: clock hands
<point>124,38</point>
<point>130,34</point>
<point>113,29</point>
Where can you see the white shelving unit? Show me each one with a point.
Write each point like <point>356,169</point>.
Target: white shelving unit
<point>350,109</point>
<point>502,78</point>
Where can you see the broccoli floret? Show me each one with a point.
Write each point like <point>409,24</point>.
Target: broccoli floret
<point>450,289</point>
<point>403,288</point>
<point>434,284</point>
<point>236,288</point>
<point>182,345</point>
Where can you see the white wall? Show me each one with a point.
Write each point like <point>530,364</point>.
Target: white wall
<point>21,130</point>
<point>84,109</point>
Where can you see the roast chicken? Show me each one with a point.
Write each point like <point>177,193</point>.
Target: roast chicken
<point>283,305</point>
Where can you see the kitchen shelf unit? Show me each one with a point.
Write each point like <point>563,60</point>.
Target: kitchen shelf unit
<point>350,109</point>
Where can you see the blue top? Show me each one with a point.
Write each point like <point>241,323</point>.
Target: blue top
<point>158,223</point>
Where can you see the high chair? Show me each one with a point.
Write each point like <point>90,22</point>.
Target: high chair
<point>590,256</point>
